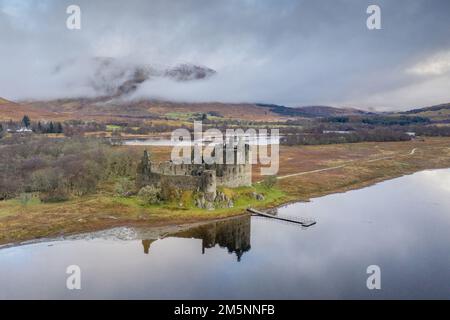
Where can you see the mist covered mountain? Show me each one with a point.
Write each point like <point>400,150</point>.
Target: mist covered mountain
<point>115,78</point>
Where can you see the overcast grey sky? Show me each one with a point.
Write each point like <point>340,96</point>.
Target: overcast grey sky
<point>289,52</point>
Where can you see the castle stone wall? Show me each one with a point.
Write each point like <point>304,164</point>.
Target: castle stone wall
<point>182,182</point>
<point>234,176</point>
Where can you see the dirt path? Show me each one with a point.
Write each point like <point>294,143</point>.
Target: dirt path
<point>413,151</point>
<point>312,171</point>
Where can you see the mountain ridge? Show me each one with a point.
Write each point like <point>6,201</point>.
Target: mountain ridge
<point>115,107</point>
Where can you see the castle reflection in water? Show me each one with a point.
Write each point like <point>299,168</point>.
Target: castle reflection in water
<point>232,234</point>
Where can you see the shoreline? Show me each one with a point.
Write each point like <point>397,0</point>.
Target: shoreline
<point>163,227</point>
<point>158,231</point>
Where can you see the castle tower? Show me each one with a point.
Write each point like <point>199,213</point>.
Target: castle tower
<point>147,161</point>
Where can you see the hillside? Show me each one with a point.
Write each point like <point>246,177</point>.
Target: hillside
<point>4,101</point>
<point>107,108</point>
<point>327,111</point>
<point>15,111</point>
<point>439,107</point>
<point>149,109</point>
<point>438,112</point>
<point>312,111</point>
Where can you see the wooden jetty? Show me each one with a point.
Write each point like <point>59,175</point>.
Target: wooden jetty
<point>263,214</point>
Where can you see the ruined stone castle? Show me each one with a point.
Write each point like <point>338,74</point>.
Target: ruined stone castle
<point>200,177</point>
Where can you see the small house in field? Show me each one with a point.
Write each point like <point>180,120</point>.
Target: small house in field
<point>24,130</point>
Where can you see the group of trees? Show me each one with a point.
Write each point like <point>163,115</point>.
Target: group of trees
<point>48,127</point>
<point>395,121</point>
<point>401,120</point>
<point>58,168</point>
<point>40,127</point>
<point>376,135</point>
<point>36,127</point>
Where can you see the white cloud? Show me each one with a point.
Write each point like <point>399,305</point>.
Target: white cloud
<point>14,8</point>
<point>412,95</point>
<point>438,64</point>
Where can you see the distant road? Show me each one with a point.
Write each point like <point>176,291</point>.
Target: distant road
<point>312,171</point>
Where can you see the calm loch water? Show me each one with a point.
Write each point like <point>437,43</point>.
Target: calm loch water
<point>401,225</point>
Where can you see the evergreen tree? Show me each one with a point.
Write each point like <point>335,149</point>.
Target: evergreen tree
<point>26,121</point>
